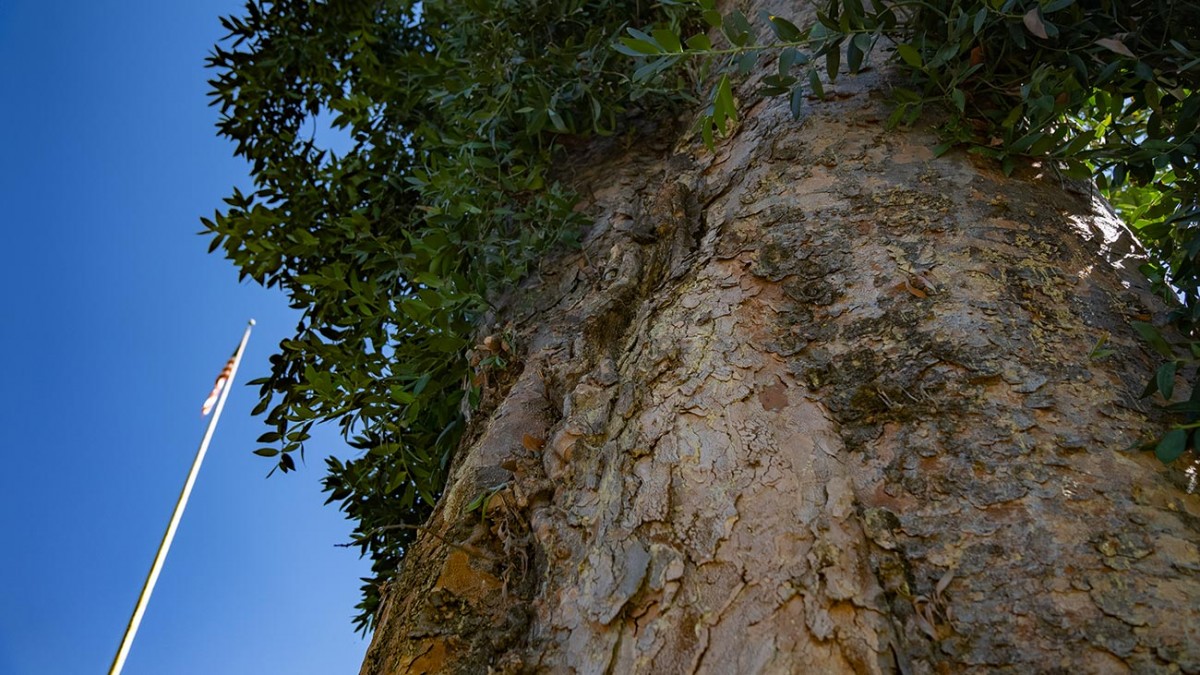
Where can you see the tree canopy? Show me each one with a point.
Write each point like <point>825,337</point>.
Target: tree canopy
<point>459,114</point>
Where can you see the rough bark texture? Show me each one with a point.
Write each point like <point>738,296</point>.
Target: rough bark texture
<point>819,403</point>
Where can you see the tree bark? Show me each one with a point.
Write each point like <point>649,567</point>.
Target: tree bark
<point>818,403</point>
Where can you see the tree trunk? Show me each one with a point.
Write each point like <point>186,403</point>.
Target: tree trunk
<point>819,403</point>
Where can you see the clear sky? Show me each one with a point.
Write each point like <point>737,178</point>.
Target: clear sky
<point>114,323</point>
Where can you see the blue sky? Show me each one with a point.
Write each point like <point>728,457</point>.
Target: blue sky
<point>115,322</point>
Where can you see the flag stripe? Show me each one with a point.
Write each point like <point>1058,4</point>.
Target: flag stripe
<point>218,386</point>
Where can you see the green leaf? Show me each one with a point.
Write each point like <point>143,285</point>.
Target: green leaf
<point>1022,144</point>
<point>814,84</point>
<point>737,29</point>
<point>1166,379</point>
<point>1098,351</point>
<point>385,449</point>
<point>261,407</point>
<point>723,105</point>
<point>786,58</point>
<point>1078,143</point>
<point>854,57</point>
<point>826,24</point>
<point>640,46</point>
<point>1192,407</point>
<point>739,21</point>
<point>699,42</point>
<point>642,36</point>
<point>853,12</point>
<point>477,502</point>
<point>1172,445</point>
<point>796,103</point>
<point>266,452</point>
<point>652,68</point>
<point>833,60</point>
<point>402,396</point>
<point>422,382</point>
<point>668,39</point>
<point>910,55</point>
<point>745,63</point>
<point>446,343</point>
<point>864,41</point>
<point>624,46</point>
<point>396,479</point>
<point>1152,336</point>
<point>785,30</point>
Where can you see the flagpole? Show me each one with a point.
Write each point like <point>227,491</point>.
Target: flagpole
<point>134,621</point>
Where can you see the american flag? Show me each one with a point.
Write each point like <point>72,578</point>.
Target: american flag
<point>222,380</point>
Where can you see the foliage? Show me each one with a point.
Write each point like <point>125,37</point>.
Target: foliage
<point>455,111</point>
<point>1101,89</point>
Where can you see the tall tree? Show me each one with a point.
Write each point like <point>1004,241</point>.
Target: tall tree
<point>816,400</point>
